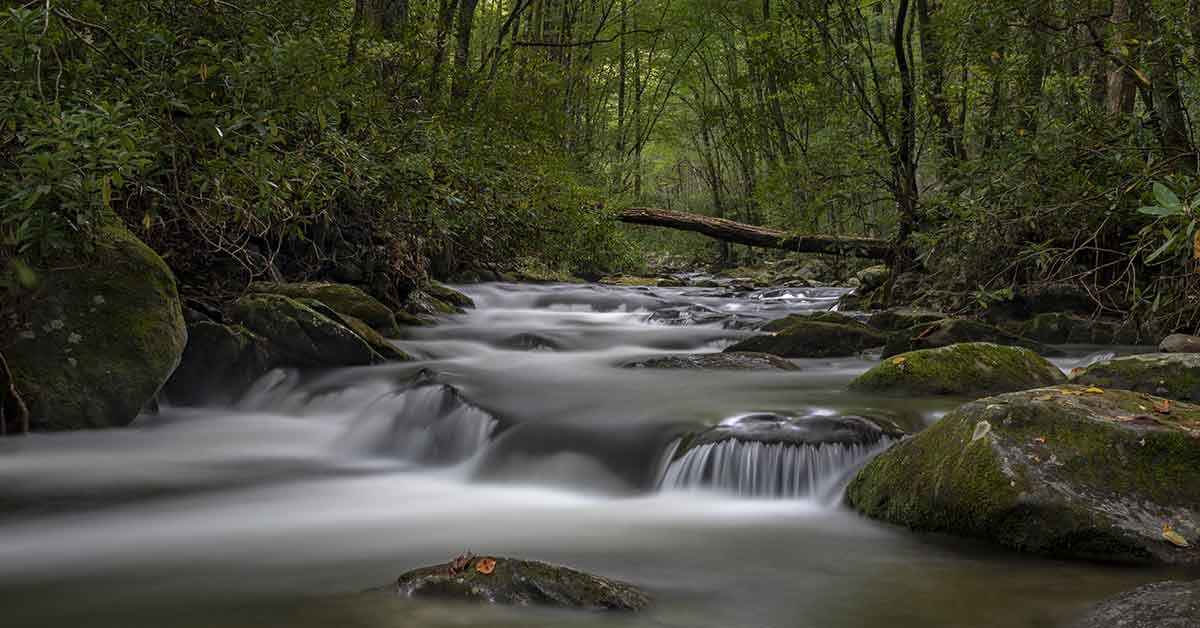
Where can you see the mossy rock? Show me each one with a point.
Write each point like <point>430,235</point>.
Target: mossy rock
<point>511,581</point>
<point>219,363</point>
<point>345,299</point>
<point>99,336</point>
<point>784,323</point>
<point>874,277</point>
<point>812,339</point>
<point>1170,375</point>
<point>955,330</point>
<point>1173,604</point>
<point>966,369</point>
<point>1060,328</point>
<point>379,344</point>
<point>774,429</point>
<point>631,281</point>
<point>735,361</point>
<point>298,335</point>
<point>1067,471</point>
<point>449,295</point>
<point>897,319</point>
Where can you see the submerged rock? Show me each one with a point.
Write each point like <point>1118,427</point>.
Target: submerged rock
<point>736,361</point>
<point>974,368</point>
<point>955,330</point>
<point>342,298</point>
<point>813,339</point>
<point>1072,472</point>
<point>1180,343</point>
<point>97,338</point>
<point>1170,375</point>
<point>1160,605</point>
<point>511,581</point>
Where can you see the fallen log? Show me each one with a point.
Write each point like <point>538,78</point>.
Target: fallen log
<point>751,235</point>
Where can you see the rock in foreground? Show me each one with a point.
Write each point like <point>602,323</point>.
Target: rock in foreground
<point>1171,375</point>
<point>500,580</point>
<point>974,368</point>
<point>1158,605</point>
<point>736,361</point>
<point>1068,471</point>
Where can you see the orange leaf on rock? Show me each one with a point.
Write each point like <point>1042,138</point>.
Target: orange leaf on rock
<point>1163,407</point>
<point>1095,391</point>
<point>486,566</point>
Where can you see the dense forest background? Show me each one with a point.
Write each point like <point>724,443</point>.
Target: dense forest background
<point>376,141</point>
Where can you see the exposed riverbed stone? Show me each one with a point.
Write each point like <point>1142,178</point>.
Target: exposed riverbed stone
<point>99,337</point>
<point>345,299</point>
<point>1172,604</point>
<point>973,368</point>
<point>734,361</point>
<point>1180,343</point>
<point>1171,375</point>
<point>520,582</point>
<point>774,429</point>
<point>814,339</point>
<point>1066,471</point>
<point>955,330</point>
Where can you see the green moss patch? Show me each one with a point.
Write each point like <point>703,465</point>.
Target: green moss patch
<point>966,369</point>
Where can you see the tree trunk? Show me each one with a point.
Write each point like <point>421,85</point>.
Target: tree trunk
<point>935,76</point>
<point>1122,82</point>
<point>446,9</point>
<point>750,235</point>
<point>462,51</point>
<point>1167,101</point>
<point>904,161</point>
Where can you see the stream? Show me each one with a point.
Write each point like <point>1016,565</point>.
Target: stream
<point>516,433</point>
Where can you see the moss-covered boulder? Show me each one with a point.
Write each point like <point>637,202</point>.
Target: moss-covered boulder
<point>446,294</point>
<point>966,369</point>
<point>219,363</point>
<point>814,339</point>
<point>1061,328</point>
<point>897,319</point>
<point>298,335</point>
<point>871,278</point>
<point>374,339</point>
<point>98,336</point>
<point>344,299</point>
<point>955,330</point>
<point>782,324</point>
<point>1170,375</point>
<point>511,581</point>
<point>733,361</point>
<point>1066,471</point>
<point>1174,604</point>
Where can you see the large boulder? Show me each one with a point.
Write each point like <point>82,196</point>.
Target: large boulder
<point>1170,375</point>
<point>342,298</point>
<point>449,295</point>
<point>374,339</point>
<point>1173,604</point>
<point>299,335</point>
<point>966,369</point>
<point>896,319</point>
<point>98,335</point>
<point>814,339</point>
<point>955,330</point>
<point>874,277</point>
<point>1180,343</point>
<point>782,324</point>
<point>1070,471</point>
<point>219,363</point>
<point>511,581</point>
<point>1061,328</point>
<point>735,361</point>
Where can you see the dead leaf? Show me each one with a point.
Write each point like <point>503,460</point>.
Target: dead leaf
<point>1163,406</point>
<point>1046,397</point>
<point>1041,440</point>
<point>1095,391</point>
<point>485,566</point>
<point>1196,246</point>
<point>900,360</point>
<point>1173,537</point>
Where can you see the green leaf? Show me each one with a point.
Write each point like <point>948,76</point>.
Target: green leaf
<point>1165,196</point>
<point>1160,211</point>
<point>1162,249</point>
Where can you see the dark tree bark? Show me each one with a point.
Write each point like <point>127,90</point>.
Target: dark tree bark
<point>462,50</point>
<point>904,160</point>
<point>750,235</point>
<point>445,22</point>
<point>935,78</point>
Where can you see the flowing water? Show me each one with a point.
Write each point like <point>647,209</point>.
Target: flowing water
<point>516,433</point>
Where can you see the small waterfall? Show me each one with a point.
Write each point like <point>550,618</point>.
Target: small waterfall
<point>758,469</point>
<point>430,424</point>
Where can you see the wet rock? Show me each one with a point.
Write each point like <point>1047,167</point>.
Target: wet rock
<point>897,319</point>
<point>774,428</point>
<point>873,277</point>
<point>1180,343</point>
<point>1170,375</point>
<point>1060,328</point>
<point>688,315</point>
<point>446,294</point>
<point>966,369</point>
<point>374,339</point>
<point>819,317</point>
<point>344,299</point>
<point>955,330</point>
<point>96,340</point>
<point>519,582</point>
<point>530,342</point>
<point>737,361</point>
<point>300,336</point>
<point>1160,605</point>
<point>812,339</point>
<point>219,363</point>
<point>1065,471</point>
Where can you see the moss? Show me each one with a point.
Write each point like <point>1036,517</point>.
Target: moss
<point>345,299</point>
<point>1175,376</point>
<point>297,335</point>
<point>960,370</point>
<point>379,344</point>
<point>449,295</point>
<point>98,338</point>
<point>812,339</point>
<point>631,281</point>
<point>785,323</point>
<point>1060,328</point>
<point>955,330</point>
<point>1064,471</point>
